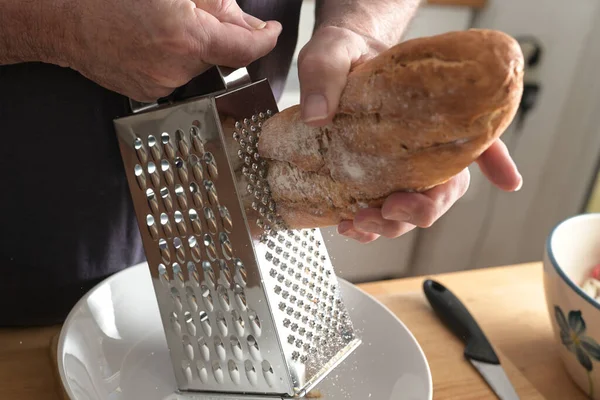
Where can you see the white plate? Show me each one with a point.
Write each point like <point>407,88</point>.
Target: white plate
<point>112,347</point>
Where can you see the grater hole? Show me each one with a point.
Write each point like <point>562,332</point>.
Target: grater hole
<point>196,195</point>
<point>193,274</point>
<point>164,251</point>
<point>202,372</point>
<point>141,178</point>
<point>223,297</point>
<point>178,274</point>
<point>210,220</point>
<point>194,248</point>
<point>137,143</point>
<point>191,299</point>
<point>182,143</point>
<point>166,226</point>
<point>154,149</point>
<point>295,355</point>
<point>218,372</point>
<point>234,372</point>
<point>236,347</point>
<point>187,371</point>
<point>178,245</point>
<point>165,167</point>
<point>195,221</point>
<point>220,348</point>
<point>181,170</point>
<point>175,324</point>
<point>255,324</point>
<point>222,323</point>
<point>194,162</point>
<point>152,200</point>
<point>238,323</point>
<point>253,347</point>
<point>195,136</point>
<point>226,246</point>
<point>209,273</point>
<point>207,297</point>
<point>181,198</point>
<point>226,220</point>
<point>241,275</point>
<point>204,349</point>
<point>180,223</point>
<point>176,299</point>
<point>251,373</point>
<point>163,274</point>
<point>188,349</point>
<point>210,247</point>
<point>225,273</point>
<point>212,192</point>
<point>152,226</point>
<point>211,165</point>
<point>240,297</point>
<point>268,372</point>
<point>205,322</point>
<point>154,176</point>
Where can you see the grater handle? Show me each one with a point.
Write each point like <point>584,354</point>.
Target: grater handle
<point>215,79</point>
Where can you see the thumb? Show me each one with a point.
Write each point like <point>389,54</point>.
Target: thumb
<point>323,67</point>
<point>230,12</point>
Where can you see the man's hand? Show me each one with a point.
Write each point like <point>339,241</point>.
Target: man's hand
<point>141,49</point>
<point>147,49</point>
<point>324,64</point>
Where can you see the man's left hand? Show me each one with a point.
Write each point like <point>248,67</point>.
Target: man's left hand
<point>324,64</point>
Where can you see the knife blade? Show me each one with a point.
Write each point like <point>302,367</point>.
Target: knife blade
<point>478,350</point>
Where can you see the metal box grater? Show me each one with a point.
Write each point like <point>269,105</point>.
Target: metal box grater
<point>249,308</point>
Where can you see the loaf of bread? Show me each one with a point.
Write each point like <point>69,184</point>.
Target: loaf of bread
<point>408,120</point>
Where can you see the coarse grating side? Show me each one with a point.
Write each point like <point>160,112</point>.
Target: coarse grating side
<point>247,305</point>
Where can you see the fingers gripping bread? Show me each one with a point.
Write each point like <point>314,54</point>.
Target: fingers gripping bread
<point>408,120</point>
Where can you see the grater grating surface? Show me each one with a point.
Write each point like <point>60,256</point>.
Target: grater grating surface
<point>247,305</point>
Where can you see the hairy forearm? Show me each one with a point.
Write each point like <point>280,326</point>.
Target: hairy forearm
<point>383,20</point>
<point>33,30</point>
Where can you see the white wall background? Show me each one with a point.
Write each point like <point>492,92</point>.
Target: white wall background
<point>489,227</point>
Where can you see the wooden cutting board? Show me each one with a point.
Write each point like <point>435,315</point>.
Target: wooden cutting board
<point>453,376</point>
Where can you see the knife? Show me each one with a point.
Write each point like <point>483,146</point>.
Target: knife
<point>478,349</point>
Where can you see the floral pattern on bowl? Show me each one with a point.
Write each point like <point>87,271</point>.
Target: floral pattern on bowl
<point>573,337</point>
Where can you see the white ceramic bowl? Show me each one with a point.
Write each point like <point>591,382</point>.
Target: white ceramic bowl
<point>572,249</point>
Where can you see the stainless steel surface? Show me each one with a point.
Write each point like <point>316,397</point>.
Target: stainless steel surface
<point>495,376</point>
<point>218,396</point>
<point>247,305</point>
<point>230,79</point>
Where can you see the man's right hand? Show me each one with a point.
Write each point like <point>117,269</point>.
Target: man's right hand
<point>145,50</point>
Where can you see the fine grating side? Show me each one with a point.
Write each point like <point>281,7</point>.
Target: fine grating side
<point>247,306</point>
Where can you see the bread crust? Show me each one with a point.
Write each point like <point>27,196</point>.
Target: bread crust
<point>408,120</point>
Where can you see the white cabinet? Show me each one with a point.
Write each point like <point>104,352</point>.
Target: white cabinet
<point>556,151</point>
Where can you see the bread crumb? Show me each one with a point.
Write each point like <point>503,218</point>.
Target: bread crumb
<point>313,394</point>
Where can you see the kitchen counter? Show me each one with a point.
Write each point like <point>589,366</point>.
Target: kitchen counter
<point>508,303</point>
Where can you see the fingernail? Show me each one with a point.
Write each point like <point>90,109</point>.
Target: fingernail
<point>315,108</point>
<point>520,185</point>
<point>344,227</point>
<point>397,215</point>
<point>254,22</point>
<point>372,227</point>
<point>350,233</point>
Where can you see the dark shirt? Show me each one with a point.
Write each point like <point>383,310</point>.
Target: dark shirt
<point>67,220</point>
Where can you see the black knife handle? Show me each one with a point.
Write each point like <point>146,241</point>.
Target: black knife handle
<point>458,319</point>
